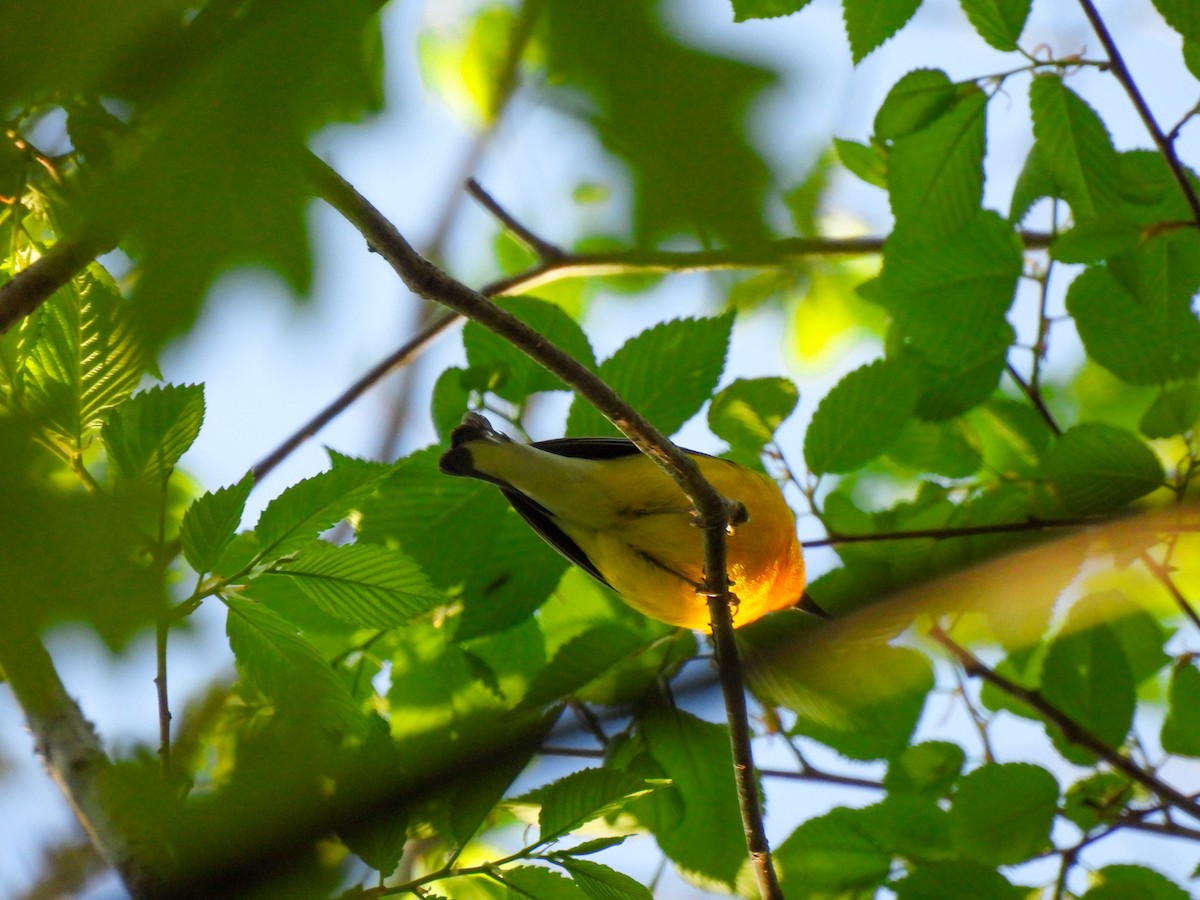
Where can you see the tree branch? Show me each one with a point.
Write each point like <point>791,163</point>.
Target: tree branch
<point>714,512</point>
<point>1121,73</point>
<point>33,285</point>
<point>1071,730</point>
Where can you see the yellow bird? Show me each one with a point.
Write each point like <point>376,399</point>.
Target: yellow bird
<point>613,512</point>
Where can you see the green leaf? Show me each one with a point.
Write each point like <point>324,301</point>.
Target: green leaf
<point>1001,814</point>
<point>1191,56</point>
<point>363,584</point>
<point>955,879</point>
<point>578,798</point>
<point>211,522</point>
<point>930,769</point>
<point>831,854</point>
<point>148,433</point>
<point>581,660</point>
<point>1139,633</point>
<point>86,360</point>
<point>1173,412</point>
<point>611,52</point>
<point>914,102</point>
<point>765,9</point>
<point>1126,882</point>
<point>869,23</point>
<point>707,840</point>
<point>602,883</point>
<point>449,401</point>
<point>1095,468</point>
<point>910,826</point>
<point>1093,240</point>
<point>1085,675</point>
<point>1182,15</point>
<point>435,518</point>
<point>949,299</point>
<point>748,412</point>
<point>1181,728</point>
<point>520,376</point>
<point>1097,800</point>
<point>592,846</point>
<point>860,697</point>
<point>935,173</point>
<point>864,161</point>
<point>860,418</point>
<point>313,505</point>
<point>949,449</point>
<point>999,22</point>
<point>287,668</point>
<point>536,883</point>
<point>666,373</point>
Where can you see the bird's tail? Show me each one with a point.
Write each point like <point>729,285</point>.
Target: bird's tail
<point>458,460</point>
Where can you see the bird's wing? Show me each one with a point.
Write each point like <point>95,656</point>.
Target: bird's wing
<point>543,523</point>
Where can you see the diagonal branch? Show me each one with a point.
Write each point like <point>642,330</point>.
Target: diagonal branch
<point>714,511</point>
<point>33,285</point>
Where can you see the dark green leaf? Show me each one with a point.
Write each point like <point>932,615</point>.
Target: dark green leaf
<point>914,102</point>
<point>765,9</point>
<point>148,433</point>
<point>581,660</point>
<point>747,413</point>
<point>363,584</point>
<point>1173,412</point>
<point>520,376</point>
<point>708,839</point>
<point>309,507</point>
<point>1182,15</point>
<point>1085,676</point>
<point>935,173</point>
<point>930,768</point>
<point>1097,799</point>
<point>861,417</point>
<point>953,880</point>
<point>666,373</point>
<point>832,854</point>
<point>865,162</point>
<point>1093,240</point>
<point>1001,814</point>
<point>1095,468</point>
<point>287,668</point>
<point>999,22</point>
<point>210,523</point>
<point>869,24</point>
<point>909,826</point>
<point>1191,56</point>
<point>449,401</point>
<point>593,846</point>
<point>1181,728</point>
<point>536,883</point>
<point>1125,882</point>
<point>602,883</point>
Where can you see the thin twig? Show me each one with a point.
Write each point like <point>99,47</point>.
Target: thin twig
<point>1035,397</point>
<point>1071,730</point>
<point>939,534</point>
<point>1163,574</point>
<point>162,630</point>
<point>545,250</point>
<point>1121,73</point>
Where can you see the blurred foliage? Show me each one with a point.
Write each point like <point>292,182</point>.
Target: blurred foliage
<point>390,689</point>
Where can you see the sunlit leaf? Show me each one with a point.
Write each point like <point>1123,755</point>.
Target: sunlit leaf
<point>148,433</point>
<point>210,523</point>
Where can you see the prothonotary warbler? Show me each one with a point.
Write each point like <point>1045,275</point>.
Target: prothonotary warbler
<point>613,512</point>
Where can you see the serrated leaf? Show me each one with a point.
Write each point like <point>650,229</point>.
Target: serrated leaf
<point>1001,814</point>
<point>1182,15</point>
<point>1126,882</point>
<point>363,584</point>
<point>707,840</point>
<point>864,161</point>
<point>211,522</point>
<point>1173,412</point>
<point>999,22</point>
<point>929,768</point>
<point>869,23</point>
<point>748,412</point>
<point>582,796</point>
<point>87,359</point>
<point>581,660</point>
<point>594,846</point>
<point>666,373</point>
<point>765,9</point>
<point>536,883</point>
<point>313,505</point>
<point>935,173</point>
<point>1095,468</point>
<point>914,102</point>
<point>860,417</point>
<point>949,299</point>
<point>287,668</point>
<point>1086,676</point>
<point>520,376</point>
<point>148,433</point>
<point>602,883</point>
<point>1181,728</point>
<point>954,879</point>
<point>831,854</point>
